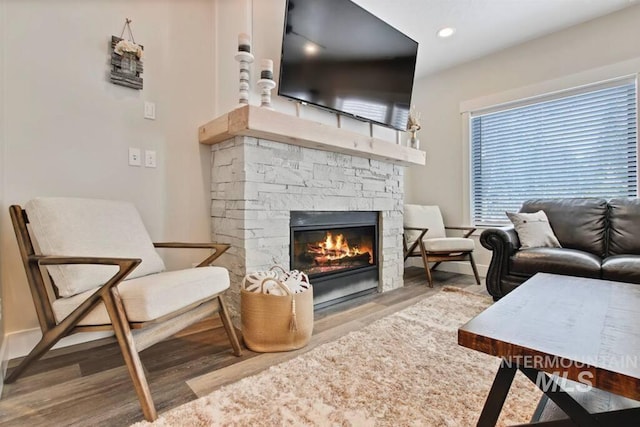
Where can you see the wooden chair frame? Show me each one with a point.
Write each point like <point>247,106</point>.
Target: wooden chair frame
<point>131,342</point>
<point>438,257</point>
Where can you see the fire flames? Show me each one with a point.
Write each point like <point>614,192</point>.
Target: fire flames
<point>337,250</point>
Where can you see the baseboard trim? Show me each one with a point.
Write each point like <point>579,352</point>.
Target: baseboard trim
<point>20,343</point>
<point>463,268</point>
<point>4,362</point>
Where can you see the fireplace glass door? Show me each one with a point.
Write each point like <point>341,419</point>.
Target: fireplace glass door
<point>331,250</point>
<point>339,252</point>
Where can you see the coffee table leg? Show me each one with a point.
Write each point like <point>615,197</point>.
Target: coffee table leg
<point>568,404</point>
<point>497,395</point>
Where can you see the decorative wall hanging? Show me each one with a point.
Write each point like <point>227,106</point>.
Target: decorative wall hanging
<point>126,59</point>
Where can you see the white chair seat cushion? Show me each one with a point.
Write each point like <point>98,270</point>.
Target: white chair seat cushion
<point>449,244</point>
<point>150,297</point>
<point>65,226</point>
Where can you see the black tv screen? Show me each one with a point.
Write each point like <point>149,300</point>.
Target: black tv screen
<point>338,56</point>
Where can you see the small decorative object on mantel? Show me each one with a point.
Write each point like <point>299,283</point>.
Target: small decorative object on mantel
<point>244,58</point>
<point>126,59</point>
<point>266,83</point>
<point>413,125</point>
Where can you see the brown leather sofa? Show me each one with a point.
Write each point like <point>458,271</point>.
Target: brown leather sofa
<point>600,239</point>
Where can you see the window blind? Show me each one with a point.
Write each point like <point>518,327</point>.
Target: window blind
<point>582,145</point>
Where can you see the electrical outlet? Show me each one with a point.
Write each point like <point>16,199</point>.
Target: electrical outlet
<point>150,159</point>
<point>135,158</point>
<point>149,110</point>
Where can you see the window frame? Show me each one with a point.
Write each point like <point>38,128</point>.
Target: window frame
<point>522,97</point>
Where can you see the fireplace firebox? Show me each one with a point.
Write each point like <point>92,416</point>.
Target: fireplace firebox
<point>339,252</point>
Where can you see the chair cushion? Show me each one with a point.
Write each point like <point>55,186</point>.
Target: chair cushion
<point>449,244</point>
<point>88,227</point>
<point>624,226</point>
<point>622,268</point>
<point>419,216</point>
<point>557,261</point>
<point>153,296</point>
<point>577,223</point>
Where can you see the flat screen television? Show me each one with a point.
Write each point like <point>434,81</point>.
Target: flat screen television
<point>338,56</point>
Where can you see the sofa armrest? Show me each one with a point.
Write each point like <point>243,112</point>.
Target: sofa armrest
<point>502,239</point>
<point>503,242</point>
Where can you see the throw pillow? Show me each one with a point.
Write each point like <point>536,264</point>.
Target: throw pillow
<point>533,230</point>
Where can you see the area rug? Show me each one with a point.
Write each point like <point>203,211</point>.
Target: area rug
<point>402,370</point>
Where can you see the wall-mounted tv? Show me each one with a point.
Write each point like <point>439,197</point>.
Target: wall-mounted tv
<point>338,56</point>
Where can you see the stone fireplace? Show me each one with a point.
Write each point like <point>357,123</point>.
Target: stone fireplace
<point>266,171</point>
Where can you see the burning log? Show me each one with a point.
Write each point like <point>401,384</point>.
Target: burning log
<point>334,252</point>
<point>362,258</point>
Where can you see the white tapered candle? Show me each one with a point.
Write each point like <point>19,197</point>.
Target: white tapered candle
<point>266,69</point>
<point>244,42</point>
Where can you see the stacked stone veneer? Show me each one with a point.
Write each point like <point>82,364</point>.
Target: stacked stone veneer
<point>256,183</point>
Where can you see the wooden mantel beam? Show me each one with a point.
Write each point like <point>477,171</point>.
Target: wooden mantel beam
<point>275,126</point>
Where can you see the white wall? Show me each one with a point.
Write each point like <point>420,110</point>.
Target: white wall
<point>567,58</point>
<point>189,101</point>
<point>67,128</point>
<point>2,128</point>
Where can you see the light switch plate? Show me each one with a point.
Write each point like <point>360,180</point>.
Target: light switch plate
<point>135,158</point>
<point>150,159</point>
<point>149,110</point>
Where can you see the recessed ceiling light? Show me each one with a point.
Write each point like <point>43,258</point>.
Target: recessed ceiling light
<point>445,32</point>
<point>311,48</point>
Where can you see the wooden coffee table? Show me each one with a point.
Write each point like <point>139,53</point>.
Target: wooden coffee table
<point>555,327</point>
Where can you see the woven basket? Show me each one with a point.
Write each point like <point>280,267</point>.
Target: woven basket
<point>273,323</point>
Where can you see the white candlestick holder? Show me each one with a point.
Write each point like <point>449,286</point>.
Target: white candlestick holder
<point>266,85</point>
<point>244,59</point>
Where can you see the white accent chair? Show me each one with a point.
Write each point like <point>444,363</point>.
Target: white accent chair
<point>425,236</point>
<point>91,266</point>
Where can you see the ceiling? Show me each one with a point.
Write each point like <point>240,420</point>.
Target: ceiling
<point>482,26</point>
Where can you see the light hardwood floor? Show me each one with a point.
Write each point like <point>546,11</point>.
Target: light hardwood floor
<point>88,384</point>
